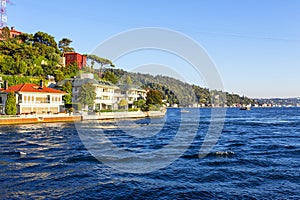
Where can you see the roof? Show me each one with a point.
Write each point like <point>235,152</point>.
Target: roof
<point>79,82</point>
<point>15,31</point>
<point>61,83</point>
<point>130,87</point>
<point>30,87</point>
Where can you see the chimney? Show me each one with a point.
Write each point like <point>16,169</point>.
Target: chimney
<point>5,85</point>
<point>12,28</point>
<point>41,83</point>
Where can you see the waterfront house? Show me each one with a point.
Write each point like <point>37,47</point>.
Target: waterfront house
<point>13,33</point>
<point>131,93</point>
<point>108,95</point>
<point>105,92</point>
<point>33,98</point>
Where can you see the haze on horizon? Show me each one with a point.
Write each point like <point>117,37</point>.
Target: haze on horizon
<point>255,45</point>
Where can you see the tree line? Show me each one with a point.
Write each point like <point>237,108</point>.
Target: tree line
<point>175,91</point>
<point>35,55</point>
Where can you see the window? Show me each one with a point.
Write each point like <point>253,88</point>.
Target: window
<point>41,99</point>
<point>20,99</point>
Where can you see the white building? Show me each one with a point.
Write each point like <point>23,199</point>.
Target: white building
<point>105,93</point>
<point>131,93</point>
<point>108,95</point>
<point>32,98</point>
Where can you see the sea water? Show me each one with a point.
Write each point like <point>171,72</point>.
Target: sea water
<point>257,156</point>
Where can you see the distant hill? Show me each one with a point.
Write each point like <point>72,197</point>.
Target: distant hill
<point>285,102</point>
<point>176,91</point>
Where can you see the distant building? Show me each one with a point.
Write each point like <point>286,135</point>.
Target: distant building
<point>32,98</point>
<point>12,32</point>
<point>108,95</point>
<point>105,92</point>
<point>131,93</point>
<point>73,57</point>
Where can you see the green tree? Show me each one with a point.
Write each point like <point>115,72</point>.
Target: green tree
<point>154,97</point>
<point>87,94</point>
<point>6,64</point>
<point>110,76</point>
<point>36,55</point>
<point>26,38</point>
<point>123,103</point>
<point>92,65</point>
<point>128,80</point>
<point>5,33</point>
<point>10,104</point>
<point>67,87</point>
<point>103,62</point>
<point>64,45</point>
<point>59,75</point>
<point>70,70</point>
<point>44,38</point>
<point>139,103</point>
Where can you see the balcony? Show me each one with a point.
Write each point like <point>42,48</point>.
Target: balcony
<point>40,102</point>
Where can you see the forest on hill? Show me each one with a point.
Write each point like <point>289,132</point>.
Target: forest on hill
<point>34,55</point>
<point>176,91</point>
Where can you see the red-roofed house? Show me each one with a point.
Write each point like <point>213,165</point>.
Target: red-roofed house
<point>73,57</point>
<point>12,32</point>
<point>32,98</point>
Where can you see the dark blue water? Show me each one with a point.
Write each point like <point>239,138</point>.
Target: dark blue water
<point>257,157</point>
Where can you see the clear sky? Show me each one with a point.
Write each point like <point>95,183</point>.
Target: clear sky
<point>255,44</point>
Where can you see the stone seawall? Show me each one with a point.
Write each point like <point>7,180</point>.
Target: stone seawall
<point>123,115</point>
<point>66,118</point>
<point>37,119</point>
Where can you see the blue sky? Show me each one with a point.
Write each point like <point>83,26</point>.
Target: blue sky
<point>255,45</point>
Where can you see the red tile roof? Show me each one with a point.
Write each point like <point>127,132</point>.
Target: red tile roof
<point>29,87</point>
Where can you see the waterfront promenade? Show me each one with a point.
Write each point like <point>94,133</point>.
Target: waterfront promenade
<point>31,119</point>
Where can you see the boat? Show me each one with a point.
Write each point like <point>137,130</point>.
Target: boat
<point>184,111</point>
<point>245,108</point>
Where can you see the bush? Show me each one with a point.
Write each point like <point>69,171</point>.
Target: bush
<point>133,109</point>
<point>105,111</point>
<point>11,104</point>
<point>154,107</point>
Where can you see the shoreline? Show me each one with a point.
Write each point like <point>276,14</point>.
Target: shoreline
<point>37,119</point>
<point>34,119</point>
<point>123,115</point>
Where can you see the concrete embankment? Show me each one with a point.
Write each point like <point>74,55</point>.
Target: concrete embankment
<point>37,119</point>
<point>123,115</point>
<point>31,119</point>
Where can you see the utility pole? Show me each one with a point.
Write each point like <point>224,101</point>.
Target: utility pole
<point>3,11</point>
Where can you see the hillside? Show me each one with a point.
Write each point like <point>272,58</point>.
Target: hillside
<point>280,102</point>
<point>34,55</point>
<point>176,91</point>
<point>30,57</point>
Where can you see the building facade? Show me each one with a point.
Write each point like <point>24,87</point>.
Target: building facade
<point>13,33</point>
<point>131,93</point>
<point>105,93</point>
<point>32,98</point>
<point>73,57</point>
<point>108,95</point>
